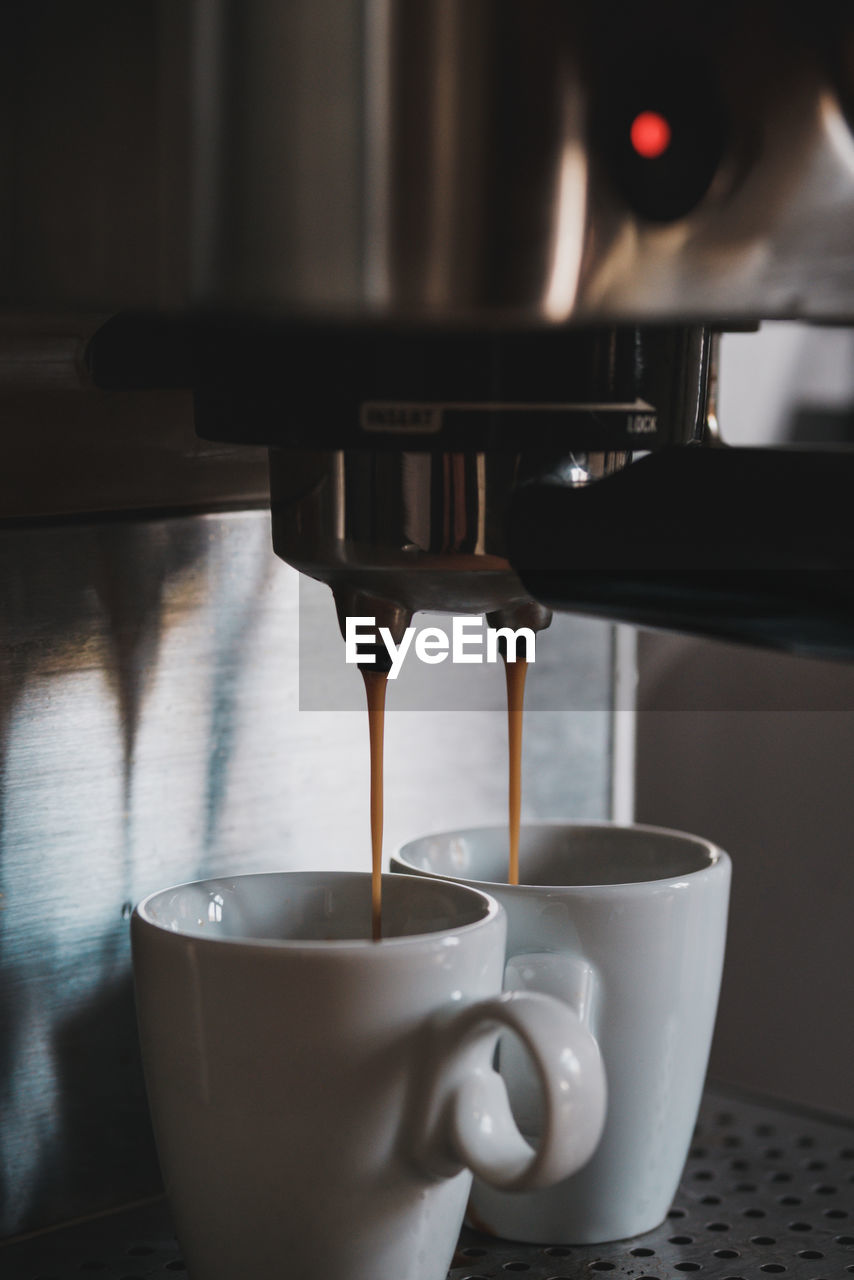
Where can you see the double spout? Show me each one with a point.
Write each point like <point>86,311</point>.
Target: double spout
<point>393,533</point>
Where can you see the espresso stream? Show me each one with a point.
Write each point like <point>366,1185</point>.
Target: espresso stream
<point>515,673</point>
<point>376,683</point>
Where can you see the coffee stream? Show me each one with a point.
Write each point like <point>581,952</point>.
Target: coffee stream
<point>515,673</point>
<point>376,683</point>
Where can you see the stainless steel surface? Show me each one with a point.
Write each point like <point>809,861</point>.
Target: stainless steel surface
<point>766,1190</point>
<point>95,153</point>
<point>393,533</point>
<point>151,732</point>
<point>445,161</point>
<point>73,453</point>
<point>424,530</point>
<point>421,158</point>
<point>69,448</point>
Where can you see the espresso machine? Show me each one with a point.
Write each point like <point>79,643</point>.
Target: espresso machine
<point>450,276</point>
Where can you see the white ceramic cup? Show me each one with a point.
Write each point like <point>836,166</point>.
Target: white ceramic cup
<point>318,1098</point>
<point>627,925</point>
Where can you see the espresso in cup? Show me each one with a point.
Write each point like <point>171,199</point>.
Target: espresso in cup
<point>627,925</point>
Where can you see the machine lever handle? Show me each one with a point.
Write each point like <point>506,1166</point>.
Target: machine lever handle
<point>750,545</point>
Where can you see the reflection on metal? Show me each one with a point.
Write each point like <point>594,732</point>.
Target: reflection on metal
<point>150,732</point>
<point>69,448</point>
<point>426,531</point>
<point>440,160</point>
<point>397,532</point>
<point>467,162</point>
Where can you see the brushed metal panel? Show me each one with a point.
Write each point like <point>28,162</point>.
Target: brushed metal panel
<point>441,161</point>
<point>422,159</point>
<point>94,151</point>
<point>150,732</point>
<point>453,162</point>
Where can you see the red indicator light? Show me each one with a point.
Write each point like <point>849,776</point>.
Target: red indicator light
<point>650,134</point>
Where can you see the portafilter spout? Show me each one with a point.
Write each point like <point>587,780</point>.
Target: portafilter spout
<point>393,533</point>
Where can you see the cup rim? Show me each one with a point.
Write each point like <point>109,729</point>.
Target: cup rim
<point>440,938</point>
<point>717,857</point>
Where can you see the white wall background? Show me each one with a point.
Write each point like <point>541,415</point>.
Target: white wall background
<point>756,751</point>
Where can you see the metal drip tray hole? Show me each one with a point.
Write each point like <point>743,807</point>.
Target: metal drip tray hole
<point>787,1210</point>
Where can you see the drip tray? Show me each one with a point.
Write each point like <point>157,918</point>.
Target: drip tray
<point>766,1191</point>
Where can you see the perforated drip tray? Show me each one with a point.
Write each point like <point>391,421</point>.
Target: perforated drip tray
<point>767,1190</point>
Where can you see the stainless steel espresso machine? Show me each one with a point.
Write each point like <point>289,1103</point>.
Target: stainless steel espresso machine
<point>457,270</point>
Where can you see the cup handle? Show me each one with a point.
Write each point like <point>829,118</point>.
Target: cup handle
<point>466,1116</point>
<point>570,979</point>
